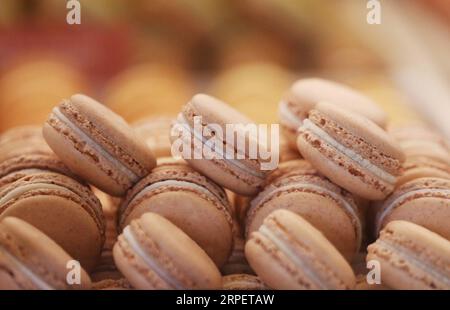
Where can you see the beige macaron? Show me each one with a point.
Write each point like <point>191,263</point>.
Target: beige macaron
<point>287,252</point>
<point>411,257</point>
<point>153,253</point>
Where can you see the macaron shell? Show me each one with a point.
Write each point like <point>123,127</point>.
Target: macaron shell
<point>216,111</point>
<point>228,176</point>
<point>39,253</point>
<point>7,282</point>
<point>308,92</point>
<point>197,217</point>
<point>432,213</point>
<point>398,268</point>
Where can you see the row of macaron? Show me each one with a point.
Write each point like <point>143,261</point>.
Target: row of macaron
<point>286,252</point>
<point>175,182</point>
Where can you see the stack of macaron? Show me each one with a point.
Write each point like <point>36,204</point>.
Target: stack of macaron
<point>176,203</point>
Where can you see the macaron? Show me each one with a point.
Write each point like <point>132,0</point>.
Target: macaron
<point>156,133</point>
<point>62,208</point>
<point>411,257</point>
<point>22,140</point>
<point>231,166</point>
<point>326,206</point>
<point>188,199</point>
<point>416,167</point>
<point>30,260</point>
<point>242,282</point>
<point>106,268</point>
<point>287,252</point>
<point>153,253</point>
<point>351,151</point>
<point>97,145</point>
<point>304,94</point>
<point>20,166</point>
<point>421,141</point>
<point>424,201</point>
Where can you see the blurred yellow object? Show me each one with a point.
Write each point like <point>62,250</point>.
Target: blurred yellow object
<point>242,45</point>
<point>30,89</point>
<point>395,103</point>
<point>148,89</point>
<point>254,89</point>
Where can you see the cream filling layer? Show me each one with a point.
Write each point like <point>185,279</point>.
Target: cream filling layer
<point>410,256</point>
<point>317,189</point>
<point>149,260</point>
<point>174,183</point>
<point>209,144</point>
<point>266,232</point>
<point>35,279</point>
<point>288,117</point>
<point>110,158</point>
<point>405,196</point>
<point>28,187</point>
<point>380,173</point>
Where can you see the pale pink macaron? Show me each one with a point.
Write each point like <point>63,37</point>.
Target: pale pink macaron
<point>411,257</point>
<point>287,252</point>
<point>30,260</point>
<point>297,187</point>
<point>306,93</point>
<point>424,201</point>
<point>153,253</point>
<point>188,199</point>
<point>234,165</point>
<point>421,141</point>
<point>97,144</point>
<point>351,151</point>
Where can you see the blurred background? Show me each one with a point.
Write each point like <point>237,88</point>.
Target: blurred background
<point>148,57</point>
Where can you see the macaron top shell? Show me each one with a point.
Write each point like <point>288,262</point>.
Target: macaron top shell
<point>36,261</point>
<point>306,93</point>
<point>176,260</point>
<point>301,251</point>
<point>86,135</point>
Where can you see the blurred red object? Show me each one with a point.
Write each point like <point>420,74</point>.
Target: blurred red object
<point>98,51</point>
